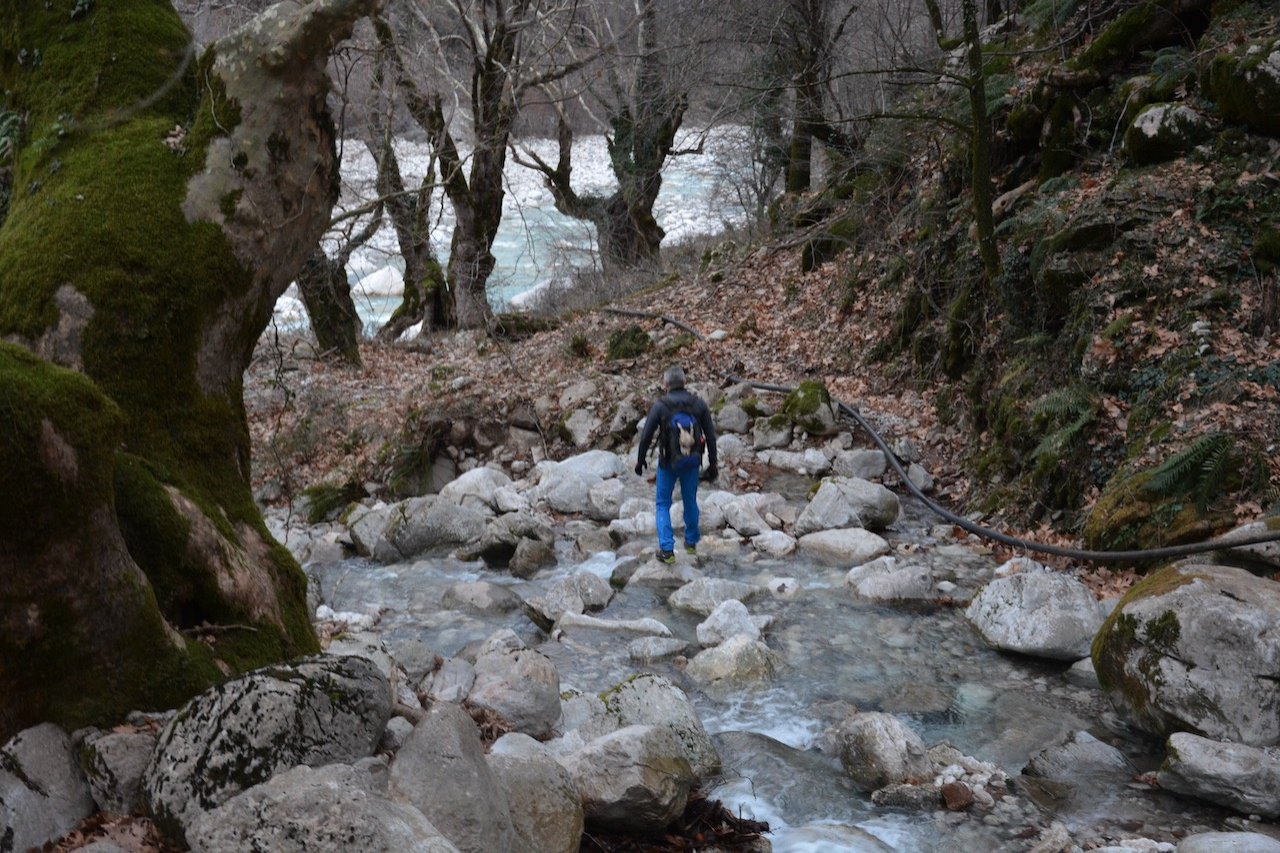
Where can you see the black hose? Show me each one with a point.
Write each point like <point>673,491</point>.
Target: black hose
<point>852,414</point>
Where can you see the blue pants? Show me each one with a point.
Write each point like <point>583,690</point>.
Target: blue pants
<point>666,483</point>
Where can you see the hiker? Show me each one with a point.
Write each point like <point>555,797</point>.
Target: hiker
<point>683,425</point>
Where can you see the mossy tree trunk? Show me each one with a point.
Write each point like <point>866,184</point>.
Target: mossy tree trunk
<point>326,293</point>
<point>167,202</point>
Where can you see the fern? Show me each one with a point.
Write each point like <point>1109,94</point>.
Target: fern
<point>1198,471</point>
<point>1074,404</point>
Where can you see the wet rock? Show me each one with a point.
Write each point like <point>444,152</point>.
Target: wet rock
<point>574,621</point>
<point>879,749</point>
<point>43,793</point>
<point>654,649</point>
<point>1228,842</point>
<point>320,710</point>
<point>634,780</point>
<point>1044,614</point>
<point>742,516</point>
<point>652,700</point>
<point>729,619</point>
<point>774,543</point>
<point>842,502</point>
<point>703,595</point>
<point>531,555</point>
<point>451,682</point>
<point>480,597</point>
<point>1234,775</point>
<point>366,525</point>
<point>1081,759</point>
<point>884,579</point>
<point>957,796</point>
<point>422,525</point>
<point>441,770</point>
<point>502,538</point>
<point>329,809</point>
<point>735,662</point>
<point>924,797</point>
<point>845,838</point>
<point>594,541</point>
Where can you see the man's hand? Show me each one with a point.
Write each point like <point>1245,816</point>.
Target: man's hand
<point>711,474</point>
<point>640,469</point>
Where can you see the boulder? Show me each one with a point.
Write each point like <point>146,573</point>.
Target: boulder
<point>531,555</point>
<point>1193,647</point>
<point>1246,85</point>
<point>652,700</point>
<point>113,762</point>
<point>860,464</point>
<point>1044,614</point>
<point>578,393</point>
<point>331,809</point>
<point>732,418</point>
<point>582,425</point>
<point>729,619</point>
<point>480,597</point>
<point>569,491</point>
<point>770,432</point>
<point>843,546</point>
<point>546,811</point>
<point>848,502</point>
<point>320,710</point>
<point>476,489</point>
<point>451,682</point>
<point>634,780</point>
<point>570,621</point>
<point>1228,842</point>
<point>422,525</point>
<point>1239,777</point>
<point>810,408</point>
<point>441,770</point>
<point>604,499</point>
<point>885,580</point>
<point>736,662</point>
<point>703,595</point>
<point>600,464</point>
<point>502,538</point>
<point>879,749</point>
<point>366,525</point>
<point>1081,759</point>
<point>742,516</point>
<point>521,686</point>
<point>43,793</point>
<point>654,649</point>
<point>774,543</point>
<point>811,462</point>
<point>1162,132</point>
<point>507,499</point>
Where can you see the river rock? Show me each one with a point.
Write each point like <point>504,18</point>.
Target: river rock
<point>848,502</point>
<point>811,462</point>
<point>572,621</point>
<point>1234,775</point>
<point>546,810</point>
<point>774,543</point>
<point>331,809</point>
<point>732,418</point>
<point>1080,759</point>
<point>569,491</point>
<point>652,700</point>
<point>481,597</point>
<point>895,583</point>
<point>521,686</point>
<point>595,463</point>
<point>113,762</point>
<point>737,661</point>
<point>43,793</point>
<point>742,516</point>
<point>703,595</point>
<point>507,499</point>
<point>1193,647</point>
<point>531,555</point>
<point>441,770</point>
<point>634,780</point>
<point>667,575</point>
<point>319,710</point>
<point>582,425</point>
<point>654,649</point>
<point>1044,614</point>
<point>476,489</point>
<point>729,619</point>
<point>422,525</point>
<point>451,682</point>
<point>604,499</point>
<point>1228,842</point>
<point>843,546</point>
<point>842,837</point>
<point>502,538</point>
<point>879,749</point>
<point>366,525</point>
<point>770,432</point>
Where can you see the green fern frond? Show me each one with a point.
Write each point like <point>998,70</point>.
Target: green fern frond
<point>1073,401</point>
<point>1194,471</point>
<point>1056,443</point>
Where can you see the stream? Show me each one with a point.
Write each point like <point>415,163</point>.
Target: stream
<point>921,662</point>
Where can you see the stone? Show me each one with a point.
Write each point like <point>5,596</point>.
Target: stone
<point>770,432</point>
<point>729,619</point>
<point>732,418</point>
<point>441,770</point>
<point>578,393</point>
<point>315,711</point>
<point>546,811</point>
<point>582,425</point>
<point>774,543</point>
<point>428,524</point>
<point>366,524</point>
<point>571,621</point>
<point>1081,759</point>
<point>113,763</point>
<point>842,837</point>
<point>901,795</point>
<point>1245,84</point>
<point>742,516</point>
<point>329,809</point>
<point>531,555</point>
<point>43,793</point>
<point>604,499</point>
<point>652,700</point>
<point>957,796</point>
<point>703,595</point>
<point>634,780</point>
<point>1234,775</point>
<point>1192,647</point>
<point>878,749</point>
<point>1228,842</point>
<point>735,662</point>
<point>1043,614</point>
<point>847,502</point>
<point>1162,132</point>
<point>451,682</point>
<point>859,464</point>
<point>480,597</point>
<point>843,546</point>
<point>520,685</point>
<point>899,583</point>
<point>476,488</point>
<point>654,649</point>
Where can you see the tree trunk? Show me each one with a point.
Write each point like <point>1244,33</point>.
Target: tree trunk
<point>326,293</point>
<point>168,204</point>
<point>980,150</point>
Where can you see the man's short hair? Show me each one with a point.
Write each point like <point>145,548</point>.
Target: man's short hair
<point>674,377</point>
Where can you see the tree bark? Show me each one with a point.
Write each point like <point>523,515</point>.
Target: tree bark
<point>167,204</point>
<point>326,294</point>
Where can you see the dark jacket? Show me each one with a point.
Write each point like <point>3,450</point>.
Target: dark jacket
<point>662,411</point>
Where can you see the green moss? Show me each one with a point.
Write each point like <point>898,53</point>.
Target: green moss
<point>804,407</point>
<point>628,342</point>
<point>325,501</point>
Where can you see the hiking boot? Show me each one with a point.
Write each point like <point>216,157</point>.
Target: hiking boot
<point>691,549</point>
<point>666,557</point>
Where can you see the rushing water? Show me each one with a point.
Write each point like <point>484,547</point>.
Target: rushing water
<point>923,663</point>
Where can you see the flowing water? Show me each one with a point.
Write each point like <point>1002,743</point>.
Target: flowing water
<point>923,663</point>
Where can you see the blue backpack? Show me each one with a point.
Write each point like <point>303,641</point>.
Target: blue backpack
<point>683,439</point>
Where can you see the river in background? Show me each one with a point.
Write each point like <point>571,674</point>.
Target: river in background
<point>536,244</point>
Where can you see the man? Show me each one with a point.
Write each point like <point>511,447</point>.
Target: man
<point>683,426</point>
